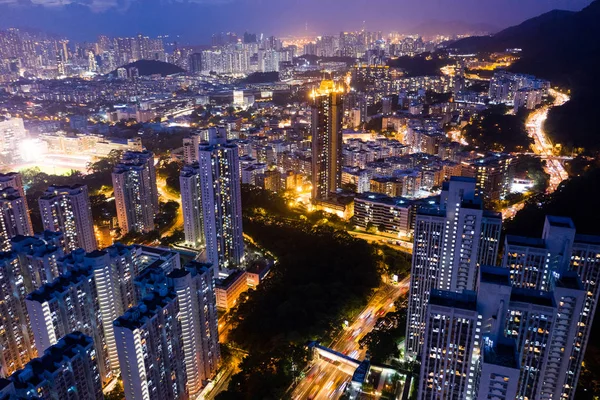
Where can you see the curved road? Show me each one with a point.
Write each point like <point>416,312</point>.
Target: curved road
<point>326,381</point>
<point>542,145</point>
<point>165,194</point>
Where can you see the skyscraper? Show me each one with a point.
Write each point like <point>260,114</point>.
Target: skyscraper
<point>534,318</point>
<point>15,180</point>
<point>179,309</point>
<point>451,342</point>
<point>222,202</point>
<point>536,262</point>
<point>38,259</point>
<point>67,304</point>
<point>451,240</point>
<point>150,350</point>
<point>326,111</point>
<point>194,287</point>
<point>191,204</point>
<point>16,339</point>
<point>136,194</point>
<point>545,264</point>
<point>195,63</point>
<point>67,209</point>
<point>114,270</point>
<point>14,217</point>
<point>67,370</point>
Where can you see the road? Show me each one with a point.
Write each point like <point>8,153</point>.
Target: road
<point>392,242</point>
<point>511,211</point>
<point>542,145</point>
<point>324,380</point>
<point>165,194</point>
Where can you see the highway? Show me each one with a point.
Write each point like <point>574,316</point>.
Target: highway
<point>542,145</point>
<point>390,241</point>
<point>324,380</point>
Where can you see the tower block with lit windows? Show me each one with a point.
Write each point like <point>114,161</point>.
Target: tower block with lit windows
<point>327,109</point>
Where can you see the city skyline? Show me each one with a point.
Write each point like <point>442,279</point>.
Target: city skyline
<point>85,20</point>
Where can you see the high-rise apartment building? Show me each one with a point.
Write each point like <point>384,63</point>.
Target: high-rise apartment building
<point>14,217</point>
<point>114,269</point>
<point>494,175</point>
<point>16,339</point>
<point>221,201</point>
<point>450,345</point>
<point>326,111</point>
<point>67,209</point>
<point>451,240</point>
<point>191,204</point>
<point>536,262</point>
<point>150,350</point>
<point>194,287</point>
<point>69,303</point>
<point>534,315</point>
<point>12,134</point>
<point>179,309</point>
<point>67,370</point>
<point>15,180</point>
<point>38,259</point>
<point>136,194</point>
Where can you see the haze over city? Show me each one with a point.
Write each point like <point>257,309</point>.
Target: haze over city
<point>195,21</point>
<point>299,200</point>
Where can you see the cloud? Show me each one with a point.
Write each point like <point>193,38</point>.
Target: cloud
<point>103,5</point>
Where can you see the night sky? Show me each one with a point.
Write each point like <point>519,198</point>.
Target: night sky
<point>196,20</point>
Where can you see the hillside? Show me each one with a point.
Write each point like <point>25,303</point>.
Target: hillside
<point>564,47</point>
<point>153,67</point>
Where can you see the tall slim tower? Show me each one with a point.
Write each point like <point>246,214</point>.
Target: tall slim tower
<point>114,269</point>
<point>222,202</point>
<point>451,241</point>
<point>327,109</point>
<point>136,194</point>
<point>67,209</point>
<point>194,287</point>
<point>191,204</point>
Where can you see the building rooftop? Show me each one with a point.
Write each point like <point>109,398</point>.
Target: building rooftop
<point>570,280</point>
<point>495,275</point>
<point>461,179</point>
<point>230,280</point>
<point>61,284</point>
<point>587,239</point>
<point>531,296</point>
<point>67,348</point>
<point>384,199</point>
<point>137,316</point>
<point>525,241</point>
<point>560,222</point>
<point>466,300</point>
<point>502,354</point>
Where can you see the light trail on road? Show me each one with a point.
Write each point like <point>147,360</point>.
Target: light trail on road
<point>325,380</point>
<point>542,145</point>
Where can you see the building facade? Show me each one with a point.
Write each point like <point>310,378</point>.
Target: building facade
<point>221,202</point>
<point>326,111</point>
<point>451,241</point>
<point>136,193</point>
<point>67,209</point>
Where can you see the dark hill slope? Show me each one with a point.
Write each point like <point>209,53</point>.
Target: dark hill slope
<point>153,67</point>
